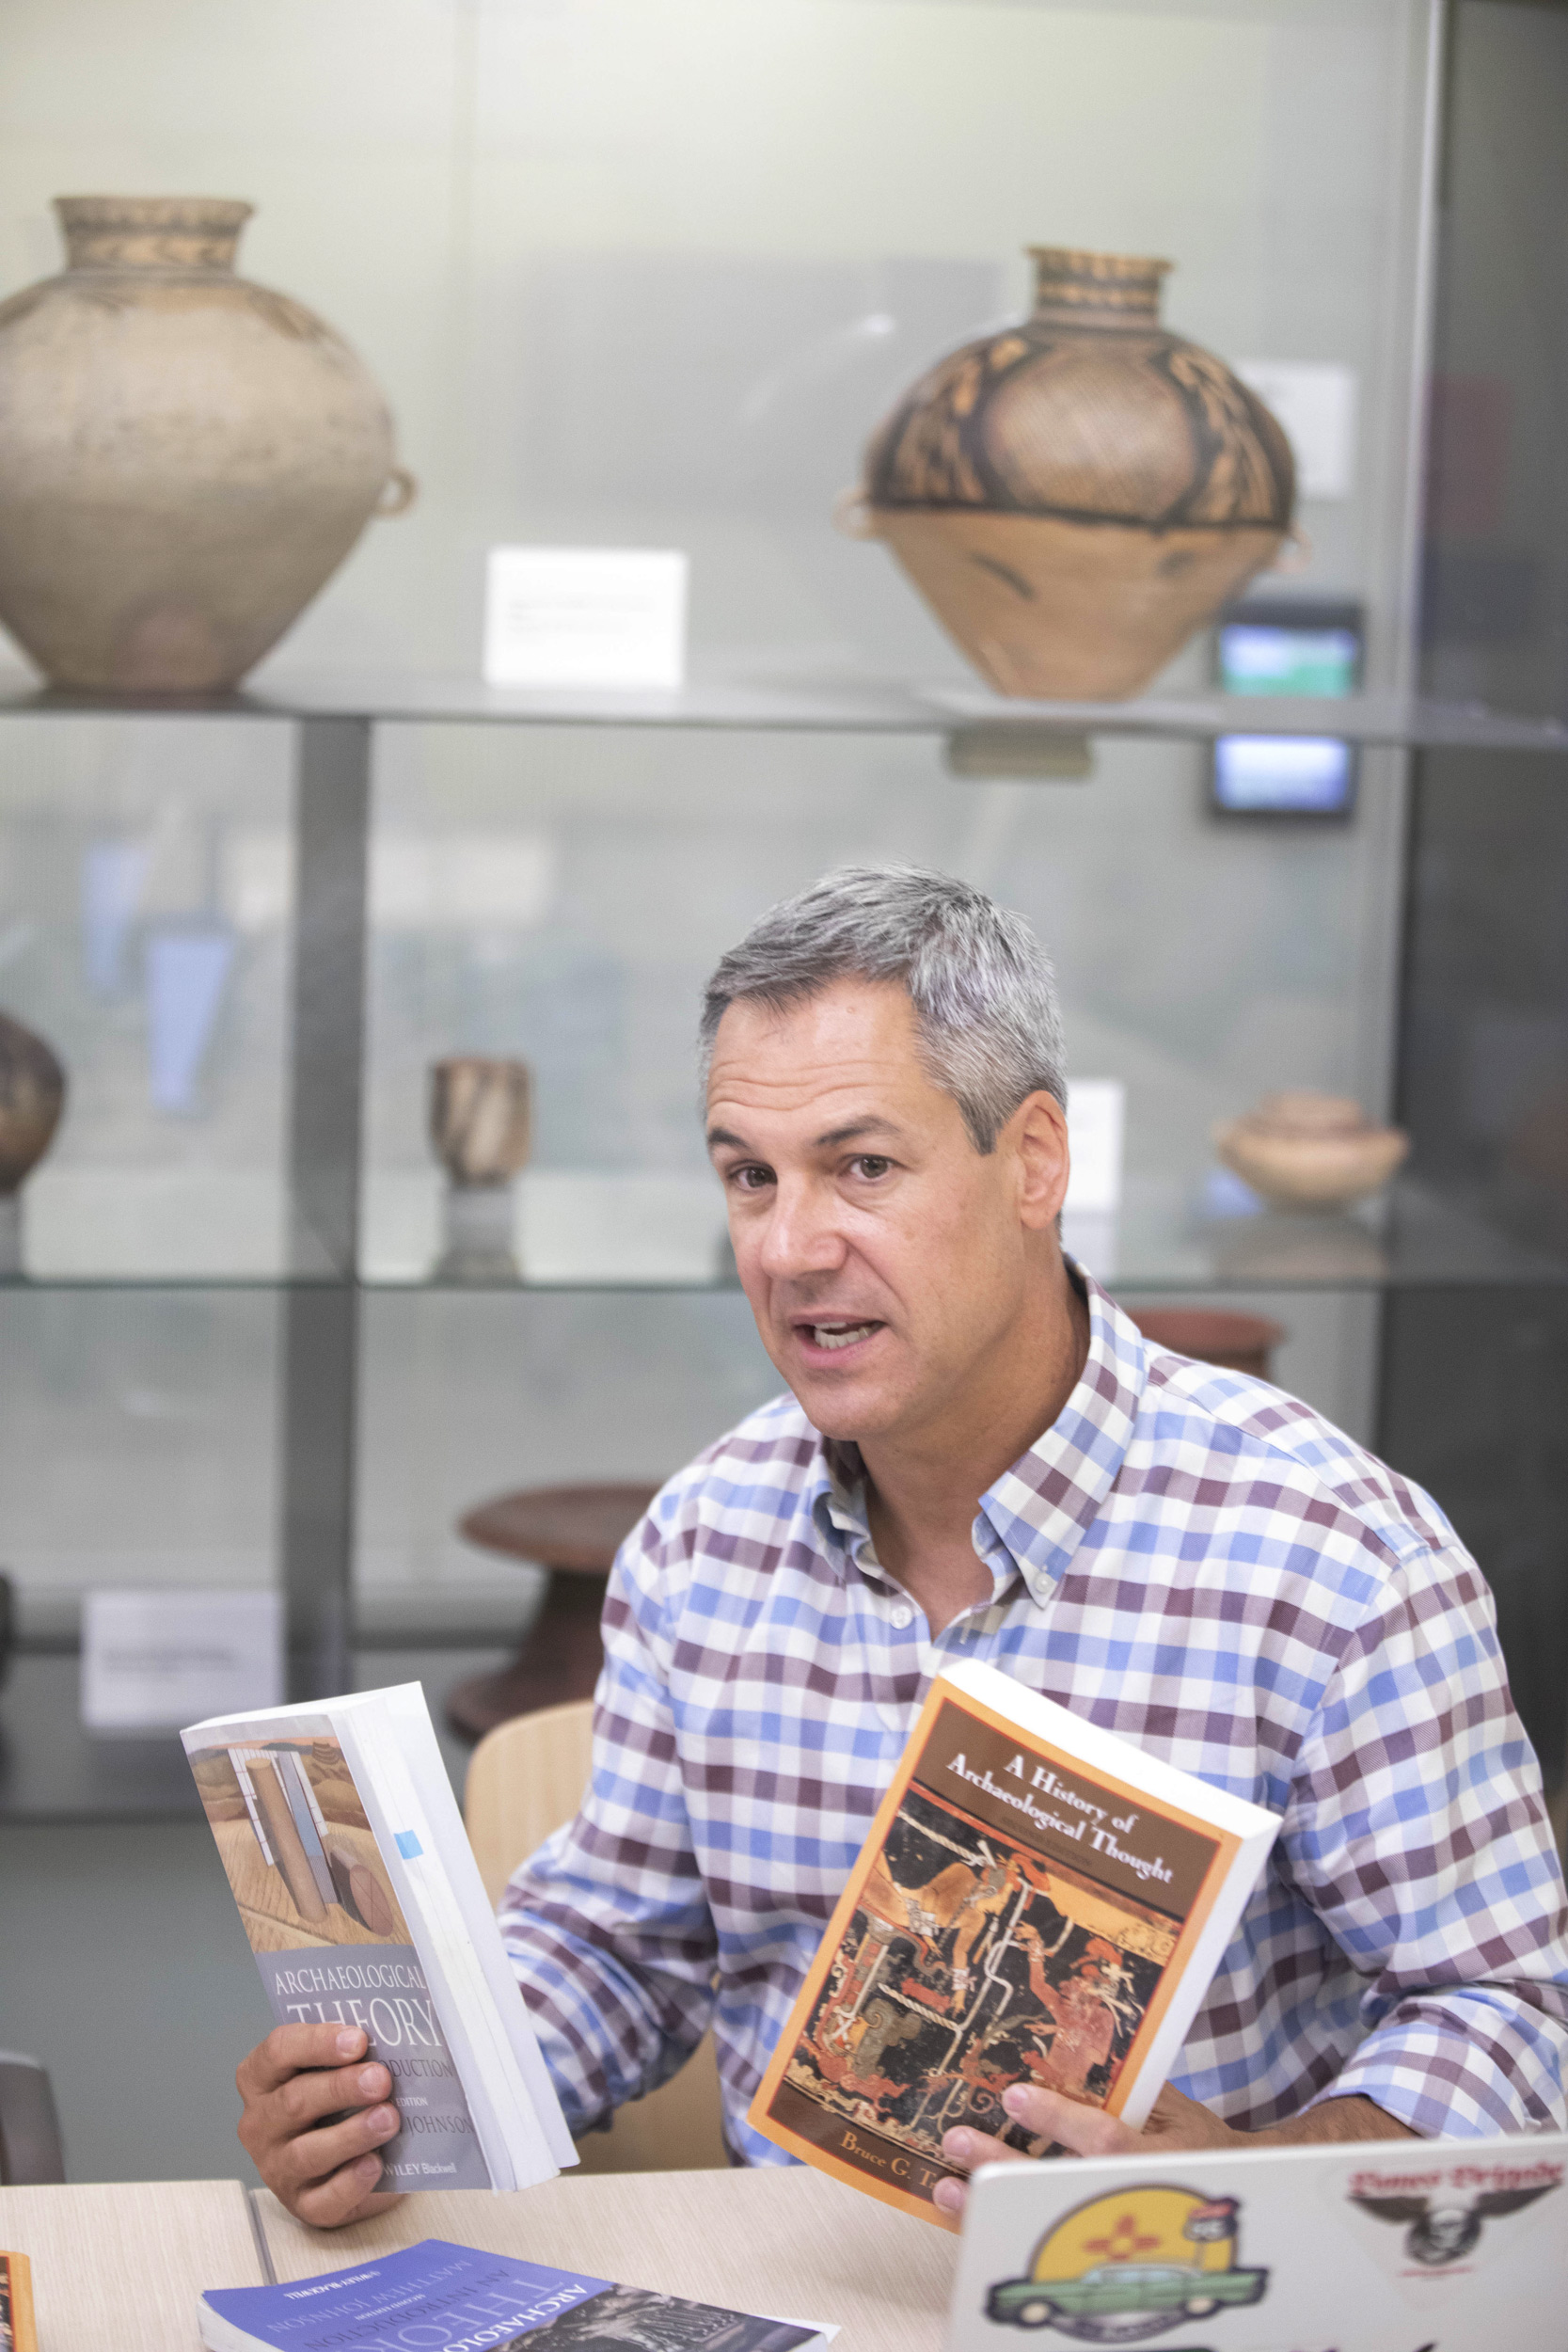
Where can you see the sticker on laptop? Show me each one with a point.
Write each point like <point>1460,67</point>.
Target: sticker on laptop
<point>1443,2210</point>
<point>1131,2265</point>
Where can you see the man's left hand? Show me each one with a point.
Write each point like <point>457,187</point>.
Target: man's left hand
<point>1174,2122</point>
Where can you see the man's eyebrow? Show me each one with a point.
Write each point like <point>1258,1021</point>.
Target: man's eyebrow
<point>869,1125</point>
<point>725,1138</point>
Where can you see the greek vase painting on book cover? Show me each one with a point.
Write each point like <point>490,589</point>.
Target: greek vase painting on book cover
<point>1013,1918</point>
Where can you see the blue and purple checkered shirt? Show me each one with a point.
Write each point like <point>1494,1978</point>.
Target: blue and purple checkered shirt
<point>1187,1557</point>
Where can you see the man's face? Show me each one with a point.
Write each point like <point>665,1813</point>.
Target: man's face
<point>885,1258</point>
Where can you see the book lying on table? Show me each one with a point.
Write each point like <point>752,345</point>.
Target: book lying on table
<point>439,2293</point>
<point>358,1890</point>
<point>16,2305</point>
<point>1037,1902</point>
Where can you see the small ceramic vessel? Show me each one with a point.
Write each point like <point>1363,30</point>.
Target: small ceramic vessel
<point>1301,1150</point>
<point>479,1122</point>
<point>480,1128</point>
<point>32,1096</point>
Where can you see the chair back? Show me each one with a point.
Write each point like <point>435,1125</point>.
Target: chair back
<point>30,2151</point>
<point>526,1778</point>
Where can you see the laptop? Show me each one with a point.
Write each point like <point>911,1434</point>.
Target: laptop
<point>1379,2246</point>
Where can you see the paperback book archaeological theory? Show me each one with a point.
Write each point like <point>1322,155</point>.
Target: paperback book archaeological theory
<point>358,1891</point>
<point>436,2294</point>
<point>1037,1901</point>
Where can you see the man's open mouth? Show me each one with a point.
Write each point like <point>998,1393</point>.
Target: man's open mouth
<point>831,1335</point>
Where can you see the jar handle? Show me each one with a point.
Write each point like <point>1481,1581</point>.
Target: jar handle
<point>397,493</point>
<point>855,516</point>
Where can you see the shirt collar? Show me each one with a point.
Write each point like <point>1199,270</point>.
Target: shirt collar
<point>1039,1509</point>
<point>836,1497</point>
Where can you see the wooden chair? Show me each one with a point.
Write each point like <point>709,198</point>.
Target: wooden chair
<point>30,2151</point>
<point>526,1778</point>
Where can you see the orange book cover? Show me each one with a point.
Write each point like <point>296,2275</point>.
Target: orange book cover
<point>1036,1901</point>
<point>17,2333</point>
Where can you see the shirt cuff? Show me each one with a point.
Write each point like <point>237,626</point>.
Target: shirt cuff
<point>1468,2066</point>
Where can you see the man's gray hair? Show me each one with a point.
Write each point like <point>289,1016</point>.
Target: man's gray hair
<point>982,986</point>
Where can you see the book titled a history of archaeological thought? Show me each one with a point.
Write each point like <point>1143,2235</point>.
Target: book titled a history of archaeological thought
<point>1037,1902</point>
<point>440,2297</point>
<point>358,1890</point>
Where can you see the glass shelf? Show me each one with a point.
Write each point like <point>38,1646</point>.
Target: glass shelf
<point>1411,1239</point>
<point>600,1232</point>
<point>825,702</point>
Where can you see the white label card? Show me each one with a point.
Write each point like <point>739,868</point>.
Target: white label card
<point>1315,400</point>
<point>1095,1115</point>
<point>154,1660</point>
<point>585,616</point>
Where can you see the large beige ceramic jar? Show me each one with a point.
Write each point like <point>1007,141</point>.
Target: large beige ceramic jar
<point>184,457</point>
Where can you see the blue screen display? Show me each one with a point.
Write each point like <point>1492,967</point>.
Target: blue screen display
<point>1258,660</point>
<point>1301,775</point>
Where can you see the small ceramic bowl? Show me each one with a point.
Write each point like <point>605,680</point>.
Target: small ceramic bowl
<point>1300,1149</point>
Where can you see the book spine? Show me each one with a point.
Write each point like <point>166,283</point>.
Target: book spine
<point>18,2332</point>
<point>515,2146</point>
<point>410,1726</point>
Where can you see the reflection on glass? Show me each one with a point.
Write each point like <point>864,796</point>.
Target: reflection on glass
<point>187,972</point>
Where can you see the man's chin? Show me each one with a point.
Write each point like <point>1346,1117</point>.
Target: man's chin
<point>848,1411</point>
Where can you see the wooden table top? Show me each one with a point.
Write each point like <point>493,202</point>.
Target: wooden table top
<point>119,2268</point>
<point>781,2241</point>
<point>577,1528</point>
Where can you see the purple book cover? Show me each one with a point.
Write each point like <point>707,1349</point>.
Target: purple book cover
<point>453,2299</point>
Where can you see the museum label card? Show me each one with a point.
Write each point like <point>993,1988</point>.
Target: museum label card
<point>152,1659</point>
<point>1315,402</point>
<point>585,616</point>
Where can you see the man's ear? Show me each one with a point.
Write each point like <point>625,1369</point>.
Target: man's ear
<point>1037,1130</point>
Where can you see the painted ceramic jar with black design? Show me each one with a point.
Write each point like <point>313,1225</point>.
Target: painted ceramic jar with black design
<point>1076,495</point>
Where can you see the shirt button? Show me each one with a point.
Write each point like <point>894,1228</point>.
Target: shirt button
<point>902,1616</point>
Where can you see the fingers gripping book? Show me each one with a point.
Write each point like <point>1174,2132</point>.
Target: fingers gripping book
<point>358,1891</point>
<point>1037,1902</point>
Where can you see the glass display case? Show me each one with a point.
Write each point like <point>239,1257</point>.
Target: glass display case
<point>649,277</point>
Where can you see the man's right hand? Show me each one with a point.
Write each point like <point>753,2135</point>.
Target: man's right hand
<point>324,2174</point>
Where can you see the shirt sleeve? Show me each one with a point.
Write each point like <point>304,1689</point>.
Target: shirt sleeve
<point>606,1926</point>
<point>1417,1830</point>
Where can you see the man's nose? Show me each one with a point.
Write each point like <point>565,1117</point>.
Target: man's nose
<point>802,1235</point>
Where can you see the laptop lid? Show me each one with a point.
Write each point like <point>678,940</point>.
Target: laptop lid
<point>1379,2246</point>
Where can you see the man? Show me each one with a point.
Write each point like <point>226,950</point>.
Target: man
<point>980,1457</point>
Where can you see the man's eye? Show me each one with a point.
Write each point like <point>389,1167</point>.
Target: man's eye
<point>751,1178</point>
<point>870,1165</point>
